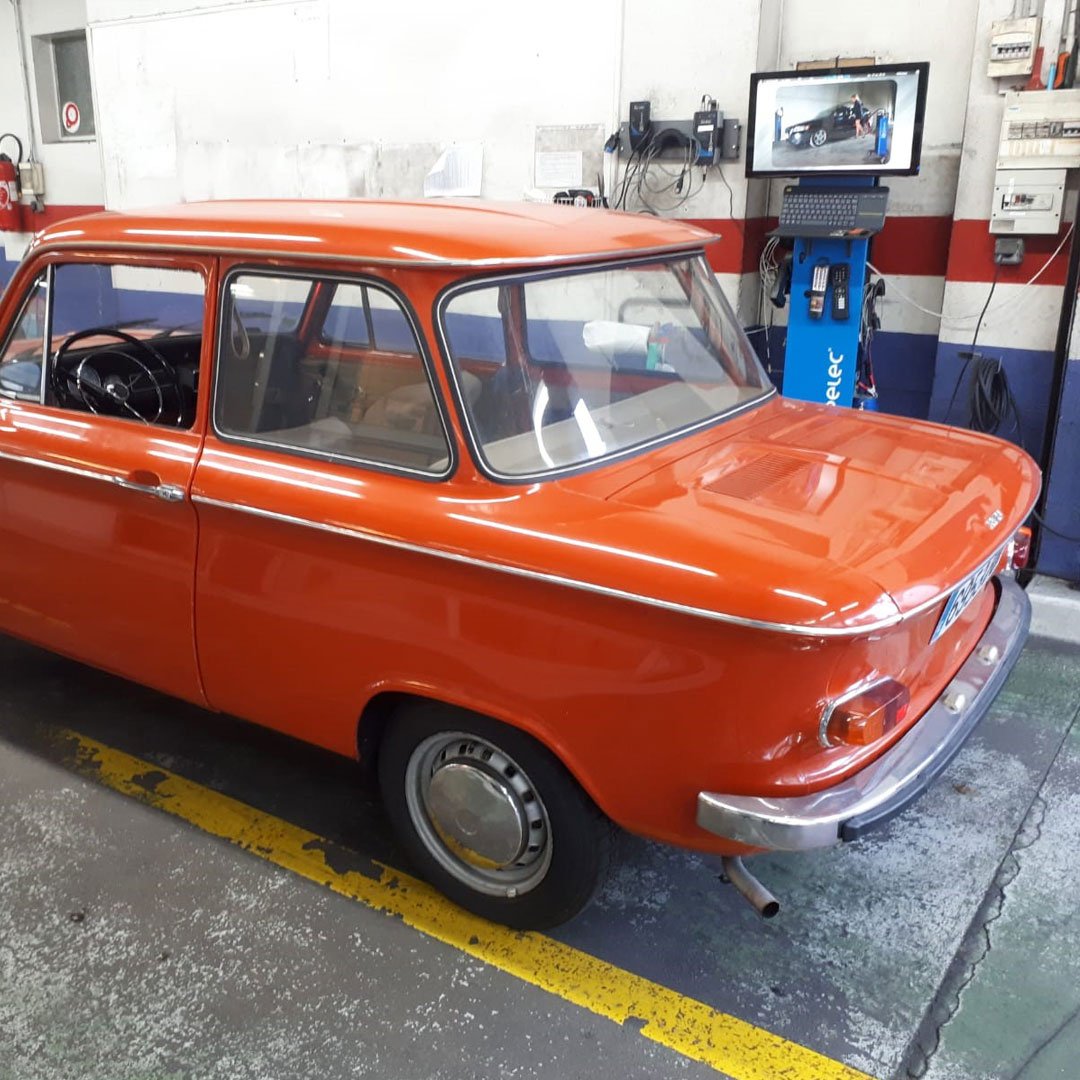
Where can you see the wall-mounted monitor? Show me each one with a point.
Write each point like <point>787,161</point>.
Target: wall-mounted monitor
<point>859,120</point>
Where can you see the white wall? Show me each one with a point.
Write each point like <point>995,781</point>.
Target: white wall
<point>72,169</point>
<point>332,97</point>
<point>335,98</point>
<point>899,30</point>
<point>200,98</point>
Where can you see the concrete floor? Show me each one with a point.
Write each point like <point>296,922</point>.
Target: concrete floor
<point>134,947</point>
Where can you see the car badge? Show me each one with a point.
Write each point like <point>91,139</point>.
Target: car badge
<point>995,519</point>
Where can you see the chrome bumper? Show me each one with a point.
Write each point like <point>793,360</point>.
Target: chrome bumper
<point>902,773</point>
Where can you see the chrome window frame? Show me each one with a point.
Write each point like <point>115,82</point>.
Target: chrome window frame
<point>312,275</point>
<point>447,294</point>
<point>46,276</point>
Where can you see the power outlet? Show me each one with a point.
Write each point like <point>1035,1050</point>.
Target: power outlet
<point>32,178</point>
<point>1009,250</point>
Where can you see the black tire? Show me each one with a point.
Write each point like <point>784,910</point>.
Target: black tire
<point>818,137</point>
<point>579,835</point>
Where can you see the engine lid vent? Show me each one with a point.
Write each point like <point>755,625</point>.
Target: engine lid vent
<point>750,480</point>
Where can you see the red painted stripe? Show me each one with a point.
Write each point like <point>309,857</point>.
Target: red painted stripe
<point>913,245</point>
<point>907,245</point>
<point>32,223</point>
<point>971,256</point>
<point>933,246</point>
<point>726,255</point>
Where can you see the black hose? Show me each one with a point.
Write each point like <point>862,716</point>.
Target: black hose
<point>991,399</point>
<point>18,142</point>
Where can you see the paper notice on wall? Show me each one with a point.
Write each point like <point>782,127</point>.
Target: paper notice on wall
<point>558,169</point>
<point>459,170</point>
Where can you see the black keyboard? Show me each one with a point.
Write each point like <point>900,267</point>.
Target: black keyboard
<point>832,211</point>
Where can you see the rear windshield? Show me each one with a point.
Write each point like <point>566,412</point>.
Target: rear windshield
<point>557,371</point>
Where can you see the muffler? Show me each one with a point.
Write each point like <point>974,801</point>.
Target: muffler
<point>762,901</point>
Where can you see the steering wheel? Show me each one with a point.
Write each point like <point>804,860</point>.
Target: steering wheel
<point>140,392</point>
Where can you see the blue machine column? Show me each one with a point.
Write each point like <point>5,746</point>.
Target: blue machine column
<point>821,354</point>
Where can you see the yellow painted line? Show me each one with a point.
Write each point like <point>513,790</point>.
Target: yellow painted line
<point>690,1027</point>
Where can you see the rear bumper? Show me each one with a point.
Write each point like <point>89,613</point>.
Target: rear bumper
<point>901,774</point>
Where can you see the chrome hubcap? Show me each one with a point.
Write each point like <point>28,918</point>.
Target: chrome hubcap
<point>478,814</point>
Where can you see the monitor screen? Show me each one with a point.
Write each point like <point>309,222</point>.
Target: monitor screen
<point>865,120</point>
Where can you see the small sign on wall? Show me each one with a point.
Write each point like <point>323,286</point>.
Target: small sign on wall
<point>70,117</point>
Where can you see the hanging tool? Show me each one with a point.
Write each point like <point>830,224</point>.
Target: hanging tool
<point>1035,82</point>
<point>1065,74</point>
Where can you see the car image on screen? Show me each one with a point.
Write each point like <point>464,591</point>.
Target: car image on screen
<point>829,125</point>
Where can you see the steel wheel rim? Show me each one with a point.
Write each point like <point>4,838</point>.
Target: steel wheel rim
<point>471,804</point>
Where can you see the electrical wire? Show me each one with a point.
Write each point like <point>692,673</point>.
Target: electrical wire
<point>1012,298</point>
<point>673,181</point>
<point>974,342</point>
<point>1050,528</point>
<point>869,324</point>
<point>991,398</point>
<point>654,186</point>
<point>768,269</point>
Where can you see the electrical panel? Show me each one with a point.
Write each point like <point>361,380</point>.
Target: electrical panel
<point>1012,46</point>
<point>1040,129</point>
<point>1027,200</point>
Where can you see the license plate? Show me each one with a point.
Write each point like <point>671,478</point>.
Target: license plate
<point>964,593</point>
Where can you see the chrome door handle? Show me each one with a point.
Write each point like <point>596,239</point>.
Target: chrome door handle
<point>165,492</point>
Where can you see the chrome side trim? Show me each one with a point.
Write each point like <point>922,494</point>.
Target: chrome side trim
<point>553,579</point>
<point>901,774</point>
<point>327,257</point>
<point>56,466</point>
<point>165,492</point>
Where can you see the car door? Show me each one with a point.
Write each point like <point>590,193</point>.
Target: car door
<point>325,429</point>
<point>100,428</point>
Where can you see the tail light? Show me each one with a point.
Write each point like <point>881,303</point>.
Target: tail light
<point>1019,549</point>
<point>866,714</point>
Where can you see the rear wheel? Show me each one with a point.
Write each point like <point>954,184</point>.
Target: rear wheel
<point>491,817</point>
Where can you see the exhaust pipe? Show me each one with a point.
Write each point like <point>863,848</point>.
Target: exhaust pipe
<point>763,901</point>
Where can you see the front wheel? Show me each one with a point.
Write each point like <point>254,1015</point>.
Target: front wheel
<point>819,137</point>
<point>491,817</point>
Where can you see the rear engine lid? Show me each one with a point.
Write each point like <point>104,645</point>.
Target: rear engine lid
<point>911,506</point>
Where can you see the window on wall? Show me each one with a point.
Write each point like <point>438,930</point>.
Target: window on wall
<point>65,99</point>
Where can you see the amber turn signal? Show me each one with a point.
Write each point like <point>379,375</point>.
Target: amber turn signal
<point>867,715</point>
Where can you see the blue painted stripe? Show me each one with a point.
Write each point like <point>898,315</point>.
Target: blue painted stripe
<point>1057,555</point>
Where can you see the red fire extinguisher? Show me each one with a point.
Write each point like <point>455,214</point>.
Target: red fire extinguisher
<point>9,188</point>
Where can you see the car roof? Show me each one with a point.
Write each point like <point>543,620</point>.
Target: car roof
<point>474,233</point>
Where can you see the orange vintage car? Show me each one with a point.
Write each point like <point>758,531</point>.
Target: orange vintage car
<point>499,499</point>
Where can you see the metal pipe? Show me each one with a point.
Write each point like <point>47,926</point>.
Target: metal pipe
<point>31,138</point>
<point>763,901</point>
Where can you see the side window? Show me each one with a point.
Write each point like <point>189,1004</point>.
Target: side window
<point>354,387</point>
<point>367,317</point>
<point>126,342</point>
<point>21,361</point>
